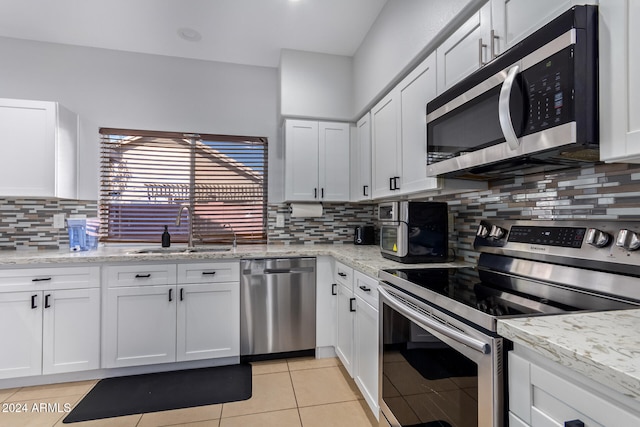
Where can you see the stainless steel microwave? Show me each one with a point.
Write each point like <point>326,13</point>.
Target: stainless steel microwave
<point>534,108</point>
<point>412,232</point>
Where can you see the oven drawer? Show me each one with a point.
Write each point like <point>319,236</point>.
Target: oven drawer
<point>366,288</point>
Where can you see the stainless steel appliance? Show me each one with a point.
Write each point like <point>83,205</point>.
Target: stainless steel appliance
<point>441,358</point>
<point>278,306</point>
<point>533,108</point>
<point>364,235</point>
<point>412,232</point>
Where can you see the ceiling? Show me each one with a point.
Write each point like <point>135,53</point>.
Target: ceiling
<point>238,31</point>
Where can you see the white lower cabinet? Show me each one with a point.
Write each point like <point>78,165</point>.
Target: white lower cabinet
<point>49,320</point>
<point>140,326</point>
<point>193,315</point>
<point>345,309</point>
<point>543,393</point>
<point>205,323</point>
<point>357,330</point>
<point>366,339</point>
<point>326,300</point>
<point>71,330</point>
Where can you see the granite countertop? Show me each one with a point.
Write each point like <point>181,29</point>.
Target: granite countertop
<point>366,258</point>
<point>604,347</point>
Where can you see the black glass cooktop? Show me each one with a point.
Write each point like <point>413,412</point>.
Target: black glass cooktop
<point>464,285</point>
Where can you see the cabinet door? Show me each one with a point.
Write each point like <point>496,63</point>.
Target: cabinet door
<point>513,20</point>
<point>71,330</point>
<point>333,158</point>
<point>619,62</point>
<point>28,131</point>
<point>466,50</point>
<point>366,352</point>
<point>418,88</point>
<point>326,296</point>
<point>21,332</point>
<point>141,326</point>
<point>301,160</point>
<point>362,190</point>
<point>344,323</point>
<point>208,321</point>
<point>384,145</point>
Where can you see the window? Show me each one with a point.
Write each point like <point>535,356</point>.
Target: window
<point>147,177</point>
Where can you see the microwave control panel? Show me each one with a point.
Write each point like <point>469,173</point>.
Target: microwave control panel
<point>549,86</point>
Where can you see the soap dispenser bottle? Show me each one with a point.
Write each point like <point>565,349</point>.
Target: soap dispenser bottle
<point>166,237</point>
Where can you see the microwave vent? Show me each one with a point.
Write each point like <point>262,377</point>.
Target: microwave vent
<point>583,155</point>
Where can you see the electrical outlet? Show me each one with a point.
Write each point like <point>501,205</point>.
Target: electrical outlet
<point>451,220</point>
<point>279,220</point>
<point>58,220</point>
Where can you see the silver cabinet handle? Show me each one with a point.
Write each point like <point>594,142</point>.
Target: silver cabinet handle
<point>504,113</point>
<point>481,47</point>
<point>494,38</point>
<point>427,324</point>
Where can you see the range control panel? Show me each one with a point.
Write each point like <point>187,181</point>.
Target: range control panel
<point>567,237</point>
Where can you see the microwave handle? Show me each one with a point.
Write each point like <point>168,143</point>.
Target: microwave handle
<point>504,113</point>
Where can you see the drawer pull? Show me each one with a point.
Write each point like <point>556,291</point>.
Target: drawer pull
<point>341,274</point>
<point>210,273</point>
<point>41,279</point>
<point>33,301</point>
<point>364,288</point>
<point>573,423</point>
<point>46,301</point>
<point>334,289</point>
<point>143,276</point>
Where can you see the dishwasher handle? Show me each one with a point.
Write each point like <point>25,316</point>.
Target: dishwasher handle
<point>294,270</point>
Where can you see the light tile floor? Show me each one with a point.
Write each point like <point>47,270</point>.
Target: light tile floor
<point>302,392</point>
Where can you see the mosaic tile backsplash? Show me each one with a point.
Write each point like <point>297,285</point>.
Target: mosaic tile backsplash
<point>606,191</point>
<point>28,223</point>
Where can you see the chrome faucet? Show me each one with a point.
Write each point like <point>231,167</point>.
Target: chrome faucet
<point>235,238</point>
<point>183,207</point>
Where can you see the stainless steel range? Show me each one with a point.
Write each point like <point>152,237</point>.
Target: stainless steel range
<point>442,362</point>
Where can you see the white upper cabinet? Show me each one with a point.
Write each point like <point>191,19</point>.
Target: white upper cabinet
<point>414,91</point>
<point>619,33</point>
<point>385,147</point>
<point>399,135</point>
<point>38,149</point>
<point>362,161</point>
<point>513,20</point>
<point>316,161</point>
<point>333,161</point>
<point>466,50</point>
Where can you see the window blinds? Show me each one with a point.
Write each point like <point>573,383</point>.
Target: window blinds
<point>146,177</point>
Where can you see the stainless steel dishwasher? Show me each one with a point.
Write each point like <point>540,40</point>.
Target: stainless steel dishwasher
<point>278,306</point>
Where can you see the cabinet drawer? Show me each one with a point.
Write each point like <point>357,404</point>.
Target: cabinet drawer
<point>17,279</point>
<point>558,399</point>
<point>209,272</point>
<point>343,275</point>
<point>366,288</point>
<point>140,274</point>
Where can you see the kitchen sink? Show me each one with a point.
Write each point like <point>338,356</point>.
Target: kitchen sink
<point>180,250</point>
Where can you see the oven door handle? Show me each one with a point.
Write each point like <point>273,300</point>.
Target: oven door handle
<point>427,323</point>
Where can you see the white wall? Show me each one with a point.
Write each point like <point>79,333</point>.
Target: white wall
<point>138,91</point>
<point>316,85</point>
<point>402,35</point>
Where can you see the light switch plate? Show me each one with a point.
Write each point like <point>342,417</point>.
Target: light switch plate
<point>279,220</point>
<point>58,220</point>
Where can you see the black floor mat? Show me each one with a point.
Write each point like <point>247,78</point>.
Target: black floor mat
<point>114,397</point>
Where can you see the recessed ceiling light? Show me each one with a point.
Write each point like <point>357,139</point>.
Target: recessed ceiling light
<point>189,34</point>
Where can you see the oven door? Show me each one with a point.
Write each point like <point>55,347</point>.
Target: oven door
<point>393,239</point>
<point>435,370</point>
